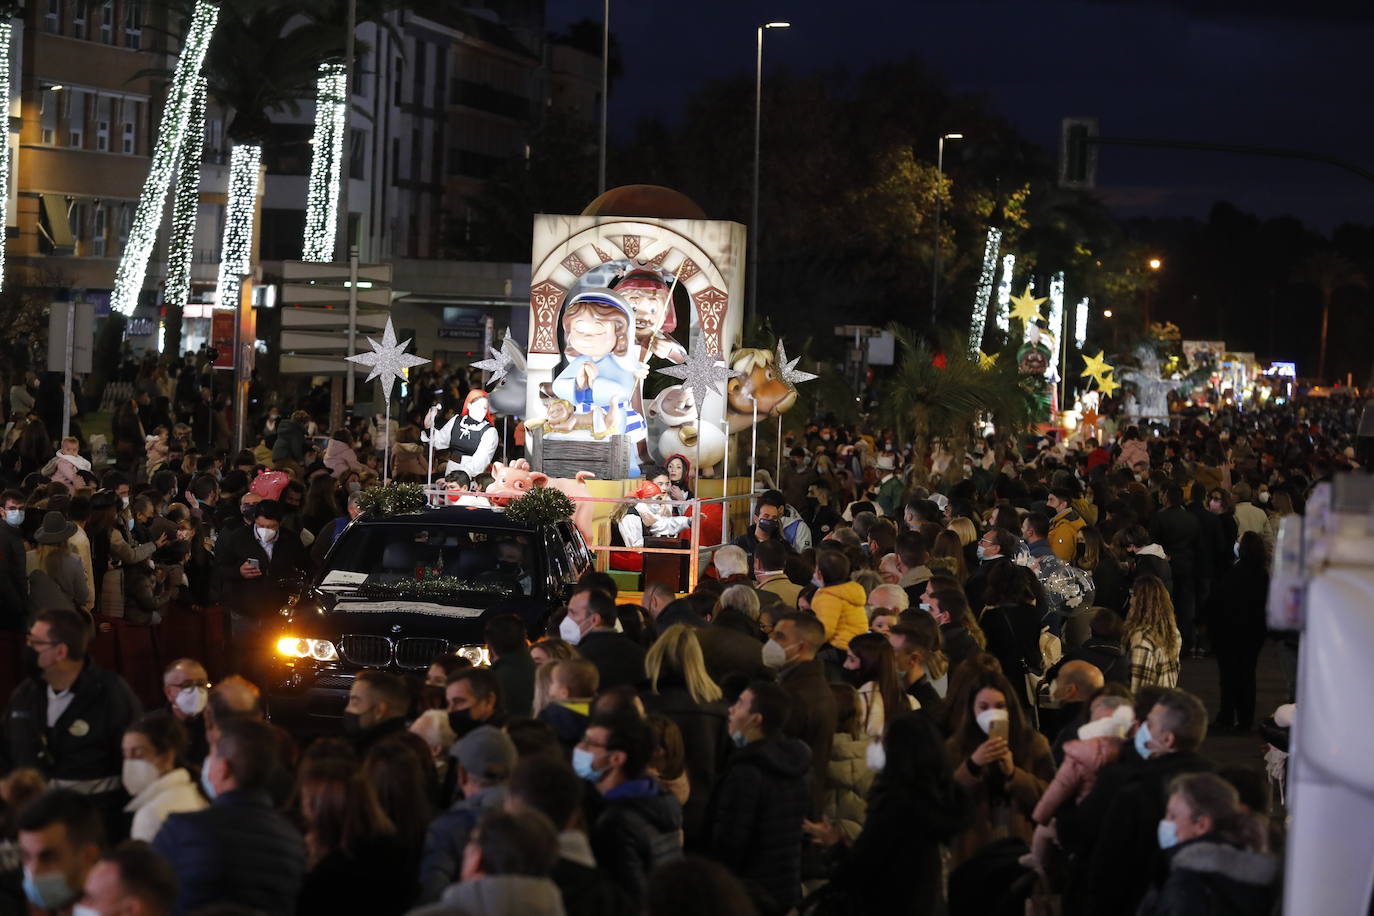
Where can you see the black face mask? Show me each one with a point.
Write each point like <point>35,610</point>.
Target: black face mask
<point>462,722</point>
<point>853,677</point>
<point>352,725</point>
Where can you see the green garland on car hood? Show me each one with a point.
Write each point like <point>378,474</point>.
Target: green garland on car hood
<point>437,590</point>
<point>392,499</point>
<point>541,506</point>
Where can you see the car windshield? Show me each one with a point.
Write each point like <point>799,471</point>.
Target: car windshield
<point>448,557</point>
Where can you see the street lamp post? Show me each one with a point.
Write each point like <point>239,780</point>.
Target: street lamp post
<point>1154,264</point>
<point>605,91</point>
<point>940,176</point>
<point>751,306</point>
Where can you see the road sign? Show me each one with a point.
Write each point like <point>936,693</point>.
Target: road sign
<point>82,336</point>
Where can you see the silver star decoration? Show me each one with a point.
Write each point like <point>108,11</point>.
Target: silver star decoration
<point>789,372</point>
<point>700,374</point>
<point>388,359</point>
<point>500,363</point>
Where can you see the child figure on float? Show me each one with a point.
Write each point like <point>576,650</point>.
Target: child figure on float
<point>601,376</point>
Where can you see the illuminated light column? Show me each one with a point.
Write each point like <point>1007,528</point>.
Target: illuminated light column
<point>5,31</point>
<point>326,165</point>
<point>235,257</point>
<point>1004,294</point>
<point>1056,323</point>
<point>133,264</point>
<point>984,292</point>
<point>1080,324</point>
<point>186,203</point>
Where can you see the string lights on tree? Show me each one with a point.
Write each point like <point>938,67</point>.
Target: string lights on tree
<point>235,257</point>
<point>133,265</point>
<point>326,164</point>
<point>984,292</point>
<point>1056,331</point>
<point>1004,294</point>
<point>1080,324</point>
<point>186,202</point>
<point>5,32</point>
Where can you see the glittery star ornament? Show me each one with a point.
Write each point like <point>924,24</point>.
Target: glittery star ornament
<point>700,374</point>
<point>1090,418</point>
<point>499,364</point>
<point>1027,307</point>
<point>987,362</point>
<point>388,359</point>
<point>1108,385</point>
<point>790,374</point>
<point>1095,367</point>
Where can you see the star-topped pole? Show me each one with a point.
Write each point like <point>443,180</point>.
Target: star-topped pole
<point>1108,385</point>
<point>388,361</point>
<point>1095,367</point>
<point>788,371</point>
<point>701,373</point>
<point>499,364</point>
<point>1027,307</point>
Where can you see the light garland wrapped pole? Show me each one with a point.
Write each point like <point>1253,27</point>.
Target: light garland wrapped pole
<point>1056,322</point>
<point>1080,325</point>
<point>984,291</point>
<point>133,264</point>
<point>236,252</point>
<point>1004,294</point>
<point>6,30</point>
<point>186,203</point>
<point>326,165</point>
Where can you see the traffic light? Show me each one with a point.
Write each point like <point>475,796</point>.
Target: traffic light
<point>1077,153</point>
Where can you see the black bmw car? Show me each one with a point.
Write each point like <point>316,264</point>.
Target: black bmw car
<point>399,592</point>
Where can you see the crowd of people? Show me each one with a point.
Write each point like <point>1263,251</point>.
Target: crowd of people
<point>910,686</point>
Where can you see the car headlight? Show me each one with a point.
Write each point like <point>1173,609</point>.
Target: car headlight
<point>321,650</point>
<point>477,656</point>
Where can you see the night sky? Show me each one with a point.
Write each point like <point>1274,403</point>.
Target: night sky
<point>1294,74</point>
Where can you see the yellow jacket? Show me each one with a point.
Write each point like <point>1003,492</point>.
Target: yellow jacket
<point>1064,534</point>
<point>840,609</point>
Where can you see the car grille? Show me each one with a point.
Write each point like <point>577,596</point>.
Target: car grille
<point>367,651</point>
<point>418,652</point>
<point>333,682</point>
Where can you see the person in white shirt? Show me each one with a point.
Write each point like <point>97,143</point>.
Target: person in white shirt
<point>159,787</point>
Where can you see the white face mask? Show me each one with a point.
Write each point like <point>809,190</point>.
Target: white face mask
<point>138,775</point>
<point>989,716</point>
<point>774,655</point>
<point>192,700</point>
<point>570,631</point>
<point>267,535</point>
<point>14,517</point>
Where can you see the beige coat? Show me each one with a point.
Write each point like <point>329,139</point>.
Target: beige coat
<point>846,797</point>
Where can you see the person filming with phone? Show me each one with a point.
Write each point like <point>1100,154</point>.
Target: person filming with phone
<point>253,562</point>
<point>1003,762</point>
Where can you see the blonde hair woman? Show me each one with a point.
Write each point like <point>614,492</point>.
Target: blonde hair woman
<point>682,692</point>
<point>964,528</point>
<point>1152,637</point>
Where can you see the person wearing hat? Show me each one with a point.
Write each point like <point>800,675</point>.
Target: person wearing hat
<point>649,296</point>
<point>890,485</point>
<point>56,576</point>
<point>485,757</point>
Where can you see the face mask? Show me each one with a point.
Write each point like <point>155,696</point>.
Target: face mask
<point>876,757</point>
<point>48,891</point>
<point>461,721</point>
<point>739,738</point>
<point>191,700</point>
<point>267,535</point>
<point>82,910</point>
<point>205,786</point>
<point>1167,834</point>
<point>570,631</point>
<point>1142,741</point>
<point>14,517</point>
<point>768,525</point>
<point>1264,497</point>
<point>1235,548</point>
<point>982,552</point>
<point>138,775</point>
<point>129,524</point>
<point>582,762</point>
<point>774,655</point>
<point>989,716</point>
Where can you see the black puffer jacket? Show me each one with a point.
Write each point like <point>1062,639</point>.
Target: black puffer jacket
<point>1209,878</point>
<point>638,825</point>
<point>757,824</point>
<point>706,738</point>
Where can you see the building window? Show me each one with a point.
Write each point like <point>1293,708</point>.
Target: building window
<point>133,25</point>
<point>107,18</point>
<point>102,123</point>
<point>130,111</point>
<point>126,220</point>
<point>52,17</point>
<point>76,119</point>
<point>357,154</point>
<point>396,81</point>
<point>395,156</point>
<point>79,213</point>
<point>48,103</point>
<point>79,19</point>
<point>98,232</point>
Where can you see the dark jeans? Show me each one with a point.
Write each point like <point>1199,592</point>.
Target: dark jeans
<point>1237,659</point>
<point>1185,609</point>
